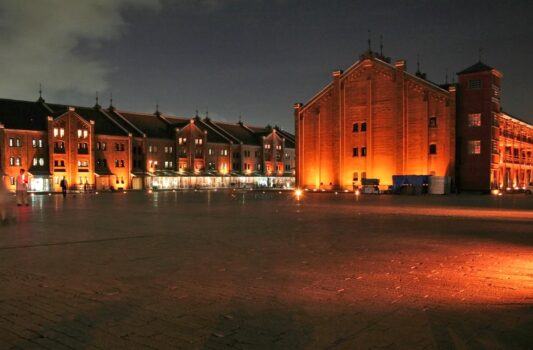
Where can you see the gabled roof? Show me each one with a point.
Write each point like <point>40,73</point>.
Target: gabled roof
<point>150,124</point>
<point>23,115</point>
<point>134,131</point>
<point>177,122</point>
<point>244,135</point>
<point>102,123</point>
<point>475,68</point>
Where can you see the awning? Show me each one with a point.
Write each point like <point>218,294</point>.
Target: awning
<point>103,170</point>
<point>39,171</point>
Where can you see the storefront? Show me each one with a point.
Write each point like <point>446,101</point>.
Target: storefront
<point>200,182</point>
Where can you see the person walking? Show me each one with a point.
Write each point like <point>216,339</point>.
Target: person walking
<point>22,188</point>
<point>64,186</point>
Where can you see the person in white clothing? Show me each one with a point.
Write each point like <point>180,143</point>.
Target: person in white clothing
<point>22,188</point>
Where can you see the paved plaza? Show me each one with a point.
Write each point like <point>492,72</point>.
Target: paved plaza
<point>254,270</point>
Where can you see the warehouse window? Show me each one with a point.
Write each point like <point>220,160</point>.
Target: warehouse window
<point>363,127</point>
<point>474,147</point>
<point>363,151</point>
<point>355,152</point>
<point>433,122</point>
<point>355,127</point>
<point>474,119</point>
<point>474,84</point>
<point>433,149</point>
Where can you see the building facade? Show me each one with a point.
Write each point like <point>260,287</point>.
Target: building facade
<point>106,148</point>
<point>495,148</point>
<point>376,120</point>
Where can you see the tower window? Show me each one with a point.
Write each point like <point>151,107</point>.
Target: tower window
<point>433,122</point>
<point>355,127</point>
<point>433,149</point>
<point>474,84</point>
<point>363,126</point>
<point>355,152</point>
<point>474,147</point>
<point>474,119</point>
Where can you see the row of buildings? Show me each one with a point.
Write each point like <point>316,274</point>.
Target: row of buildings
<point>376,120</point>
<point>106,148</point>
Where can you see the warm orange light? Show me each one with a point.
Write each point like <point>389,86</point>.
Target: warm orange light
<point>357,192</point>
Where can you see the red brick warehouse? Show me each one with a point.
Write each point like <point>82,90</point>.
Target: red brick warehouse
<point>376,120</point>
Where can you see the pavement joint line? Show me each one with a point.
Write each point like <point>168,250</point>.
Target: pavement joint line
<point>88,241</point>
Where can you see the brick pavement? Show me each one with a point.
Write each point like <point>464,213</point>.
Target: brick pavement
<point>219,271</point>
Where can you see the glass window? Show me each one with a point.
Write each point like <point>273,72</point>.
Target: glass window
<point>474,84</point>
<point>363,151</point>
<point>474,147</point>
<point>433,149</point>
<point>56,132</point>
<point>355,152</point>
<point>474,119</point>
<point>363,126</point>
<point>433,122</point>
<point>355,127</point>
<point>61,132</point>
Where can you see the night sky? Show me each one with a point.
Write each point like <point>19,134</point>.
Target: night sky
<point>254,58</point>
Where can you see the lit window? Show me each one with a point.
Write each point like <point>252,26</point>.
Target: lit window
<point>80,133</point>
<point>170,149</point>
<point>34,143</point>
<point>40,143</point>
<point>61,132</point>
<point>56,132</point>
<point>150,149</point>
<point>17,161</point>
<point>85,134</point>
<point>474,119</point>
<point>41,161</point>
<point>210,151</point>
<point>433,149</point>
<point>363,151</point>
<point>11,142</point>
<point>103,146</point>
<point>17,142</point>
<point>474,147</point>
<point>35,161</point>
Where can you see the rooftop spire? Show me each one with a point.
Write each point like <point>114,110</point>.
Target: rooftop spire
<point>196,112</point>
<point>369,41</point>
<point>157,109</point>
<point>96,105</point>
<point>111,107</point>
<point>207,112</point>
<point>381,45</point>
<point>418,72</point>
<point>40,99</point>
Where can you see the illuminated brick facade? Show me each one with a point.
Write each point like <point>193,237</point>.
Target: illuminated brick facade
<point>374,121</point>
<point>103,149</point>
